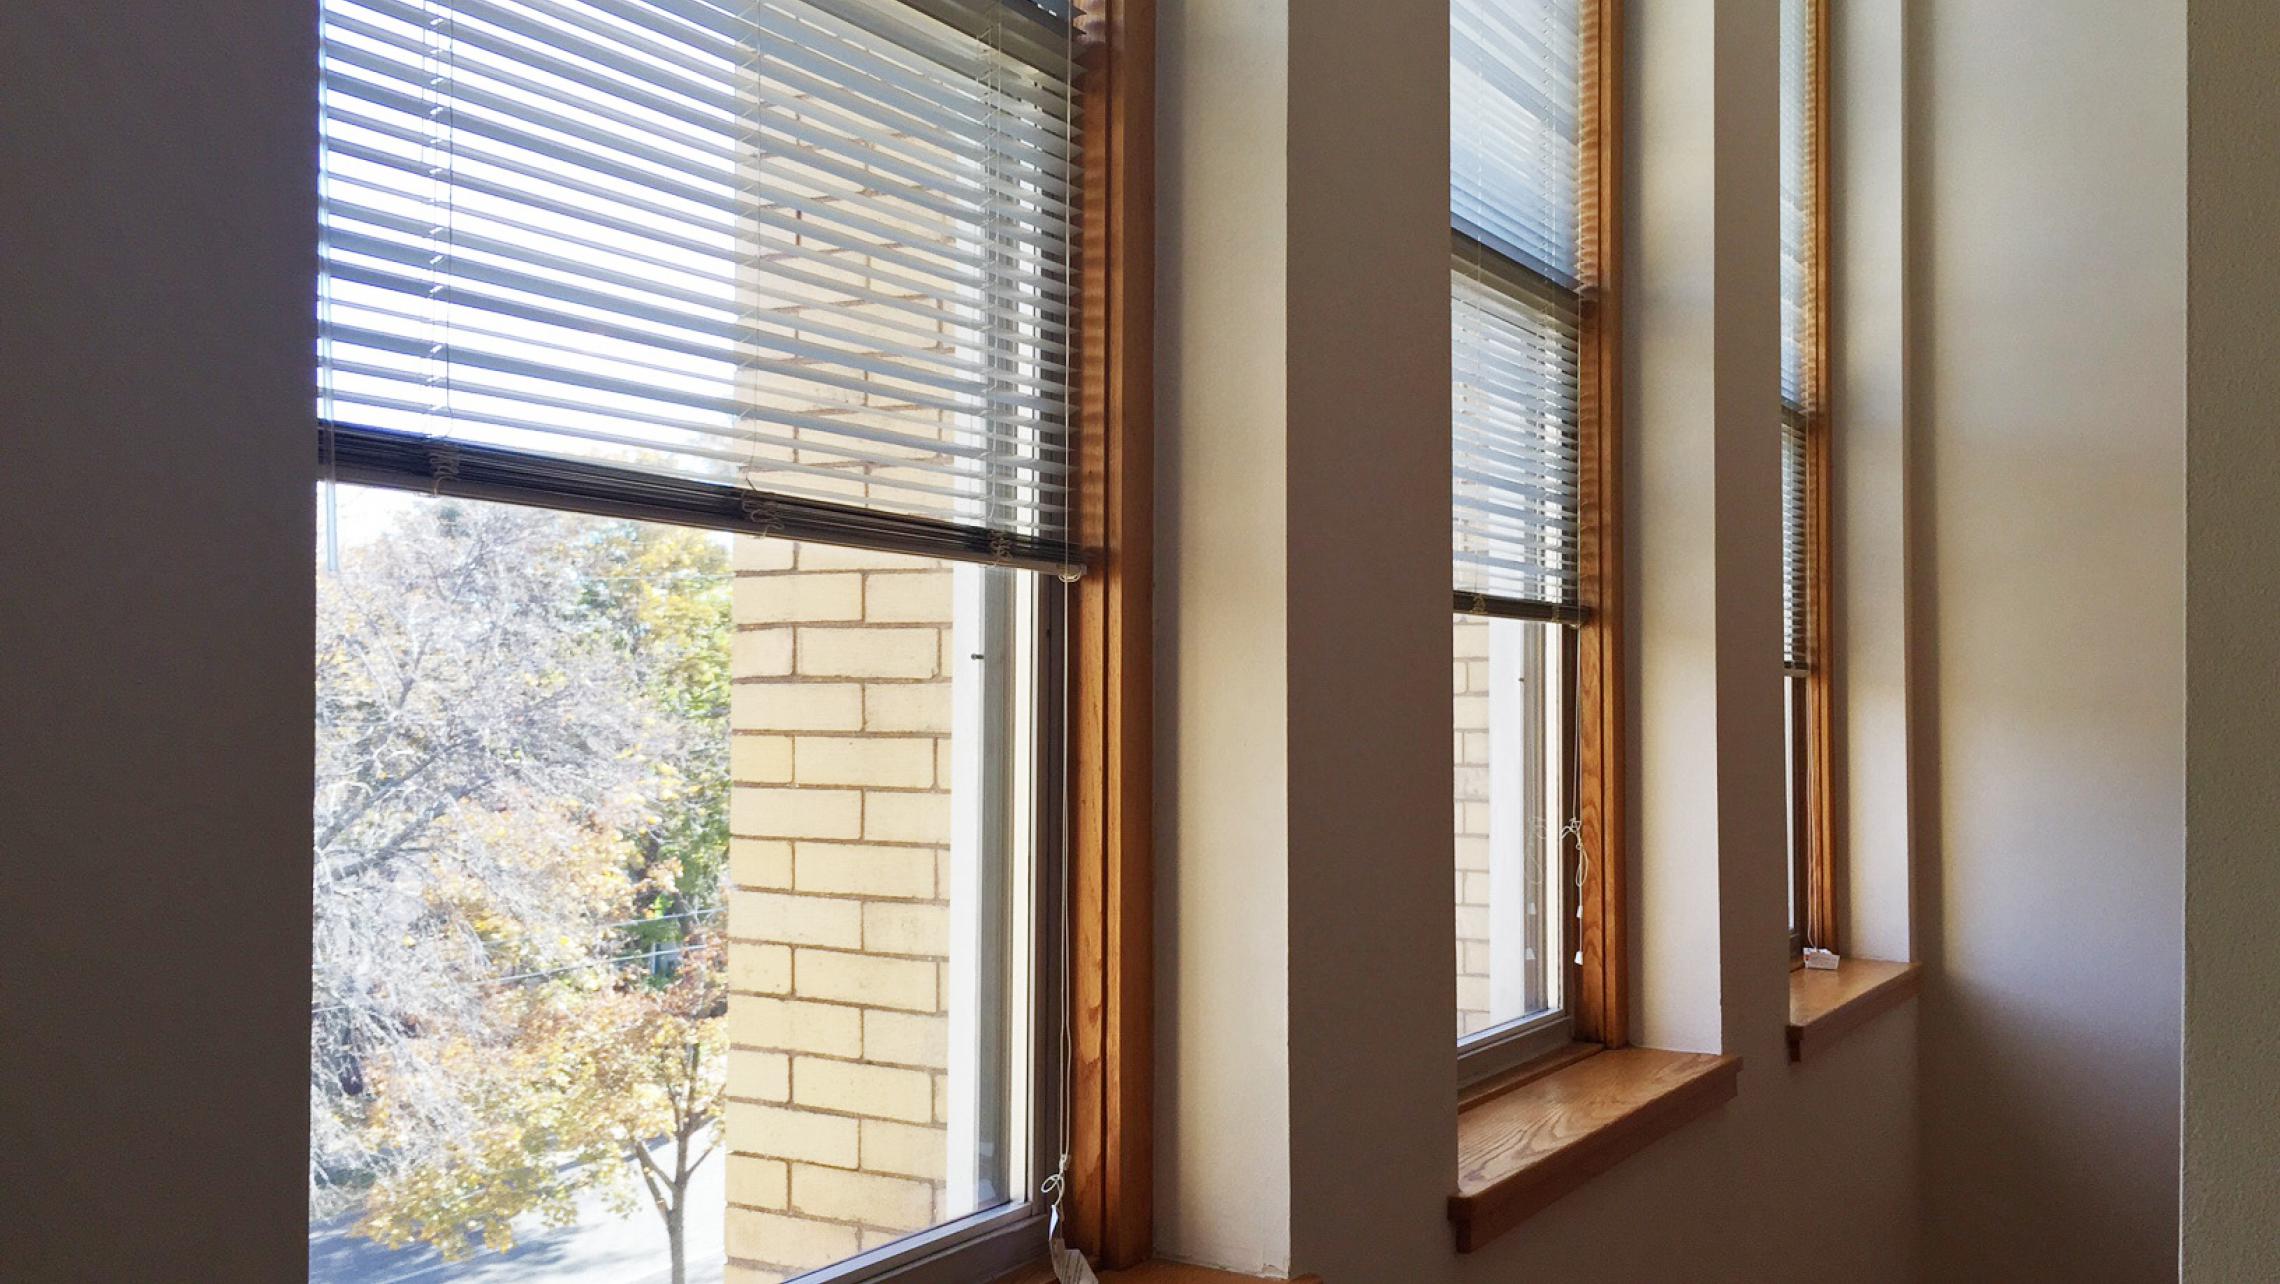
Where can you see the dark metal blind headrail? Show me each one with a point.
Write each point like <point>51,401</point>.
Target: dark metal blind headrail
<point>468,470</point>
<point>812,254</point>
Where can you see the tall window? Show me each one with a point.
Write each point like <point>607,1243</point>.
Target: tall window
<point>696,420</point>
<point>1804,480</point>
<point>1525,266</point>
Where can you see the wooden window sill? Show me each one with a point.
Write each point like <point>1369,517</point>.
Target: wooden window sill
<point>1524,1145</point>
<point>1152,1273</point>
<point>1826,1006</point>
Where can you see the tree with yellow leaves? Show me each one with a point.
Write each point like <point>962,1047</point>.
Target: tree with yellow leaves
<point>520,824</point>
<point>581,1086</point>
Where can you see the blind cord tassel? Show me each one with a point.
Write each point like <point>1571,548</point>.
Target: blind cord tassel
<point>1069,1265</point>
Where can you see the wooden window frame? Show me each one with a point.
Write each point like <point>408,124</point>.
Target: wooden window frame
<point>1109,1200</point>
<point>1600,981</point>
<point>1597,989</point>
<point>1816,765</point>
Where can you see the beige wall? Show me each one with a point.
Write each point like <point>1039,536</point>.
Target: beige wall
<point>1222,1153</point>
<point>2049,351</point>
<point>157,535</point>
<point>2232,479</point>
<point>1338,806</point>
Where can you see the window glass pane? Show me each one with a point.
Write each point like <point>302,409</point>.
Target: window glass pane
<point>1511,768</point>
<point>674,906</point>
<point>1795,759</point>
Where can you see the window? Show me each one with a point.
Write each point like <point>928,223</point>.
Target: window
<point>1532,574</point>
<point>1804,480</point>
<point>691,861</point>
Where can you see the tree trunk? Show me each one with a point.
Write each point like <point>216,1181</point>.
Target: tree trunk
<point>676,1241</point>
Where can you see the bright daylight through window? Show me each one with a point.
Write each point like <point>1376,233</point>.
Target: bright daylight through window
<point>694,378</point>
<point>1515,174</point>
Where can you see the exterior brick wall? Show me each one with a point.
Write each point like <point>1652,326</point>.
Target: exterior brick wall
<point>1471,693</point>
<point>839,916</point>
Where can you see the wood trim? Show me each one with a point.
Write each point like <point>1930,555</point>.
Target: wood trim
<point>1520,1152</point>
<point>1600,980</point>
<point>1522,1075</point>
<point>1822,864</point>
<point>1111,733</point>
<point>1825,1006</point>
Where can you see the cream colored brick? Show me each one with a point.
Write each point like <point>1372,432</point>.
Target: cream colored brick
<point>755,553</point>
<point>827,557</point>
<point>942,1098</point>
<point>880,1238</point>
<point>858,870</point>
<point>1472,853</point>
<point>867,652</point>
<point>760,760</point>
<point>895,762</point>
<point>1472,925</point>
<point>905,1149</point>
<point>948,646</point>
<point>1471,712</point>
<point>921,597</point>
<point>759,969</point>
<point>829,975</point>
<point>907,706</point>
<point>795,706</point>
<point>760,653</point>
<point>795,920</point>
<point>745,1273</point>
<point>791,1134</point>
<point>1472,993</point>
<point>760,1076</point>
<point>758,1183</point>
<point>897,928</point>
<point>908,1039</point>
<point>896,1203</point>
<point>879,1092</point>
<point>780,599</point>
<point>760,862</point>
<point>789,1025</point>
<point>795,813</point>
<point>795,1242</point>
<point>907,817</point>
<point>945,761</point>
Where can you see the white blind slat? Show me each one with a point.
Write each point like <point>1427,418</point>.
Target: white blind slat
<point>823,249</point>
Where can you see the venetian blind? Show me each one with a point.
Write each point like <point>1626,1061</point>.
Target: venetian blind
<point>805,265</point>
<point>1798,152</point>
<point>1515,176</point>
